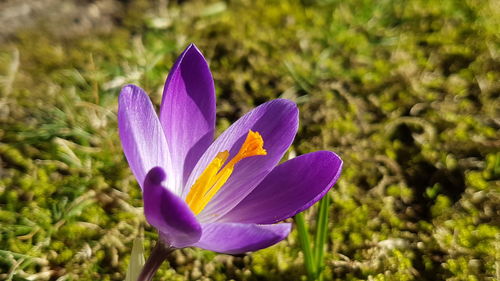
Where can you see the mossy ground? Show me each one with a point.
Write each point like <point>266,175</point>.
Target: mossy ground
<point>407,92</point>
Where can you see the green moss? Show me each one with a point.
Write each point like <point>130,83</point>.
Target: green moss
<point>475,179</point>
<point>14,157</point>
<point>441,206</point>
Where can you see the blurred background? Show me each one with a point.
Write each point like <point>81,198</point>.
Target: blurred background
<point>407,92</point>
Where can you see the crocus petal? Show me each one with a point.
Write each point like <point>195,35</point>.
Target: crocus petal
<point>289,189</point>
<point>169,213</point>
<point>141,134</point>
<point>237,238</point>
<point>187,111</point>
<point>277,122</point>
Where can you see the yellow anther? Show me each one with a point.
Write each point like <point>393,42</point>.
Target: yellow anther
<point>213,177</point>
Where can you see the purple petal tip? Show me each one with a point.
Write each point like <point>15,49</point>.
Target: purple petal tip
<point>191,49</point>
<point>191,45</point>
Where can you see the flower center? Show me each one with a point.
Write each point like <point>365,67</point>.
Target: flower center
<point>214,176</point>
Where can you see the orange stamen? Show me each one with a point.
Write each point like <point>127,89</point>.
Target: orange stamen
<point>213,177</point>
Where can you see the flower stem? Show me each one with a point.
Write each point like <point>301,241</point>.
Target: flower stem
<point>156,258</point>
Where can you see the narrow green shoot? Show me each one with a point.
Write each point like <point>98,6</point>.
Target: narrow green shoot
<point>321,236</point>
<point>314,254</point>
<point>305,243</point>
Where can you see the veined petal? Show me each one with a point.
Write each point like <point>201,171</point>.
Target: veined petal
<point>289,189</point>
<point>141,134</point>
<point>276,121</point>
<point>187,112</point>
<point>169,213</point>
<point>237,238</point>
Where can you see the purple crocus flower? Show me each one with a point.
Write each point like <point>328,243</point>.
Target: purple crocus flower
<point>226,195</point>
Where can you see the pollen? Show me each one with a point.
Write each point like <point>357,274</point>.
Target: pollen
<point>216,173</point>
